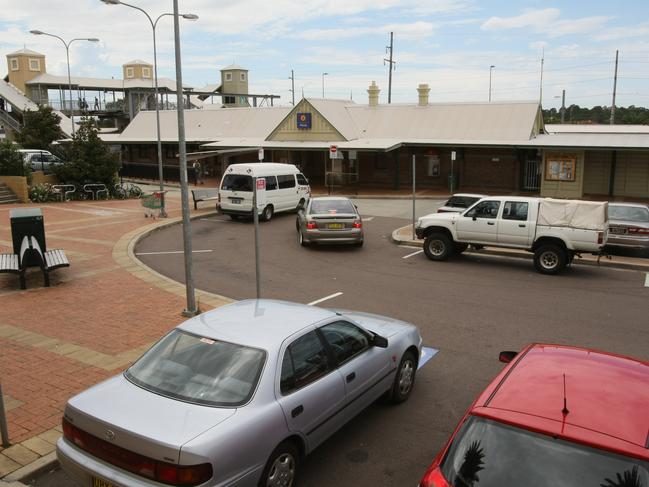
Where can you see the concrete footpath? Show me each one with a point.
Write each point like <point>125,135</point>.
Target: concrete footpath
<point>404,236</point>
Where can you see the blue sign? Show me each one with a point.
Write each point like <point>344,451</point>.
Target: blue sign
<point>304,120</point>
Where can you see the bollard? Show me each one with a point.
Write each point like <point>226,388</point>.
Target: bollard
<point>3,421</point>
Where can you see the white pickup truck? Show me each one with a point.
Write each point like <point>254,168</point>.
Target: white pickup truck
<point>554,230</point>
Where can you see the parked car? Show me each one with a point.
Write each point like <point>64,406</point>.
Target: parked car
<point>460,202</point>
<point>236,396</point>
<point>554,230</point>
<point>329,219</point>
<point>40,160</point>
<point>628,226</point>
<point>281,187</point>
<point>556,415</point>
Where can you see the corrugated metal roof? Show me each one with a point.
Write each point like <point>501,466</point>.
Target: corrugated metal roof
<point>338,114</point>
<point>596,128</point>
<point>103,84</point>
<point>592,140</point>
<point>234,66</point>
<point>26,51</point>
<point>137,62</point>
<point>16,97</point>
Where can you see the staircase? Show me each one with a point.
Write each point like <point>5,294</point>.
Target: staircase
<point>6,195</point>
<point>9,121</point>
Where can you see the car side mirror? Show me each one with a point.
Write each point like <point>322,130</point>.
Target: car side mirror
<point>474,218</point>
<point>379,341</point>
<point>506,356</point>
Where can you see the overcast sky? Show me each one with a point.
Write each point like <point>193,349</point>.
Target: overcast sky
<point>449,44</point>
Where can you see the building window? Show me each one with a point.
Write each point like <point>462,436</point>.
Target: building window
<point>15,66</point>
<point>243,76</point>
<point>130,73</point>
<point>229,100</point>
<point>228,76</point>
<point>146,72</point>
<point>34,64</point>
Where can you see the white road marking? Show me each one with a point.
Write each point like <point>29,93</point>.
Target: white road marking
<point>331,296</point>
<point>215,220</point>
<point>368,219</point>
<point>174,252</point>
<point>410,255</point>
<point>646,280</point>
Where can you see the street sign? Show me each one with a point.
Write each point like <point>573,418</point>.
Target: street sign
<point>261,183</point>
<point>453,155</point>
<point>261,154</point>
<point>333,151</point>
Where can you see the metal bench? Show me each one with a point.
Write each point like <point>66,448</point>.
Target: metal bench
<point>11,263</point>
<point>50,260</point>
<point>205,194</point>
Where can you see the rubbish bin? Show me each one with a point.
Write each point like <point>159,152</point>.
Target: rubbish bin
<point>27,221</point>
<point>453,180</point>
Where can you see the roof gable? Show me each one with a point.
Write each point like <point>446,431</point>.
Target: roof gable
<point>321,128</point>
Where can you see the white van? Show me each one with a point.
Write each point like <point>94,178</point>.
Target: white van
<point>283,188</point>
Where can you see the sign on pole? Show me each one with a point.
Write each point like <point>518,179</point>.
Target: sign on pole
<point>261,183</point>
<point>333,151</point>
<point>261,154</point>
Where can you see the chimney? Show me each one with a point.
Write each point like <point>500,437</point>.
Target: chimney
<point>373,91</point>
<point>423,91</point>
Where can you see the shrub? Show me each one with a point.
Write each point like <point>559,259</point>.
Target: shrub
<point>42,193</point>
<point>11,161</point>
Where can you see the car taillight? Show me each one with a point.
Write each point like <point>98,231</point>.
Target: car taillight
<point>639,231</point>
<point>166,473</point>
<point>311,225</point>
<point>434,478</point>
<point>358,224</point>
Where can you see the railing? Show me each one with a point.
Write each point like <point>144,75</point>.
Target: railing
<point>10,121</point>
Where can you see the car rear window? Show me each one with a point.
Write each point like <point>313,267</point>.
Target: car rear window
<point>628,213</point>
<point>199,370</point>
<point>486,453</point>
<point>319,207</point>
<point>237,182</point>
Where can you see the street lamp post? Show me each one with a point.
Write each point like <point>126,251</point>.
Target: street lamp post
<point>323,75</point>
<point>491,69</point>
<point>154,23</point>
<point>67,54</point>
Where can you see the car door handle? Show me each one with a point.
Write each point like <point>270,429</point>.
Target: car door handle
<point>297,411</point>
<point>521,225</point>
<point>490,223</point>
<point>350,377</point>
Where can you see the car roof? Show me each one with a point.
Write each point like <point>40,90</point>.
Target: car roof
<point>469,195</point>
<point>330,198</point>
<point>265,168</point>
<point>262,323</point>
<point>605,393</point>
<point>629,205</point>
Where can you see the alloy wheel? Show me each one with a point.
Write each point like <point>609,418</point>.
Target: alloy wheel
<point>282,472</point>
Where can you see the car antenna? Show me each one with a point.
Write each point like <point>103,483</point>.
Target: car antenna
<point>565,410</point>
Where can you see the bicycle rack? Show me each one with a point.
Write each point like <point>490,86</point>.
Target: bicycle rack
<point>64,191</point>
<point>95,189</point>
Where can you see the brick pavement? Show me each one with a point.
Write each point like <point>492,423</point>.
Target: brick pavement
<point>98,316</point>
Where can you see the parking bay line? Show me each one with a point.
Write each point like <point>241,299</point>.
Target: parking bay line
<point>427,353</point>
<point>331,296</point>
<point>411,255</point>
<point>173,252</point>
<point>646,280</point>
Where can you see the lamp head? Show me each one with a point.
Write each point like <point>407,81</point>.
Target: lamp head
<point>190,16</point>
<point>93,39</point>
<point>36,32</point>
<point>111,2</point>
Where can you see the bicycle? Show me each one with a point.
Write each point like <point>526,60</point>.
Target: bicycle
<point>124,191</point>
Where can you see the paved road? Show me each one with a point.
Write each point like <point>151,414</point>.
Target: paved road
<point>470,308</point>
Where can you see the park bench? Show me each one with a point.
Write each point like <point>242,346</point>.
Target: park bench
<point>50,260</point>
<point>12,263</point>
<point>205,194</point>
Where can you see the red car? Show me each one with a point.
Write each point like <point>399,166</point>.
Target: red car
<point>556,416</point>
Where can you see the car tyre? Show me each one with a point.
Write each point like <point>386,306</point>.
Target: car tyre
<point>549,259</point>
<point>359,243</point>
<point>438,246</point>
<point>282,466</point>
<point>234,217</point>
<point>404,381</point>
<point>300,239</point>
<point>267,214</point>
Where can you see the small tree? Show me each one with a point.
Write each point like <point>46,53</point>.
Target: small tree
<point>40,128</point>
<point>87,159</point>
<point>11,161</point>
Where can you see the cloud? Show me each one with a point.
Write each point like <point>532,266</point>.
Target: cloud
<point>405,31</point>
<point>640,30</point>
<point>546,21</point>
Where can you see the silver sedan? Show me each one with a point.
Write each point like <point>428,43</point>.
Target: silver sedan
<point>628,226</point>
<point>329,219</point>
<point>236,396</point>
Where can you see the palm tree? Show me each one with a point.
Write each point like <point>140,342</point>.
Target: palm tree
<point>472,464</point>
<point>628,479</point>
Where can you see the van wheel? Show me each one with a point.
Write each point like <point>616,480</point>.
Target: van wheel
<point>438,246</point>
<point>267,214</point>
<point>549,259</point>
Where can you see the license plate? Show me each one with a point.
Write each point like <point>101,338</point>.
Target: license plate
<point>101,483</point>
<point>335,226</point>
<point>618,231</point>
<point>236,201</point>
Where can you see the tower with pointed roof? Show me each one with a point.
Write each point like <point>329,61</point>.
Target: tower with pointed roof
<point>24,65</point>
<point>234,85</point>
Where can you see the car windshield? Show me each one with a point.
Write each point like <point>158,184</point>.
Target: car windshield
<point>490,454</point>
<point>319,207</point>
<point>199,370</point>
<point>237,182</point>
<point>628,213</point>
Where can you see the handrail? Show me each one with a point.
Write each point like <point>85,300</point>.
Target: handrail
<point>64,191</point>
<point>94,189</point>
<point>12,122</point>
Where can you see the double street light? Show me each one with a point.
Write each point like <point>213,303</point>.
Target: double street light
<point>154,24</point>
<point>67,53</point>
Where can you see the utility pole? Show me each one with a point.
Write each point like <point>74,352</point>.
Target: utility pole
<point>614,90</point>
<point>541,83</point>
<point>389,49</point>
<point>292,90</point>
<point>563,106</point>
